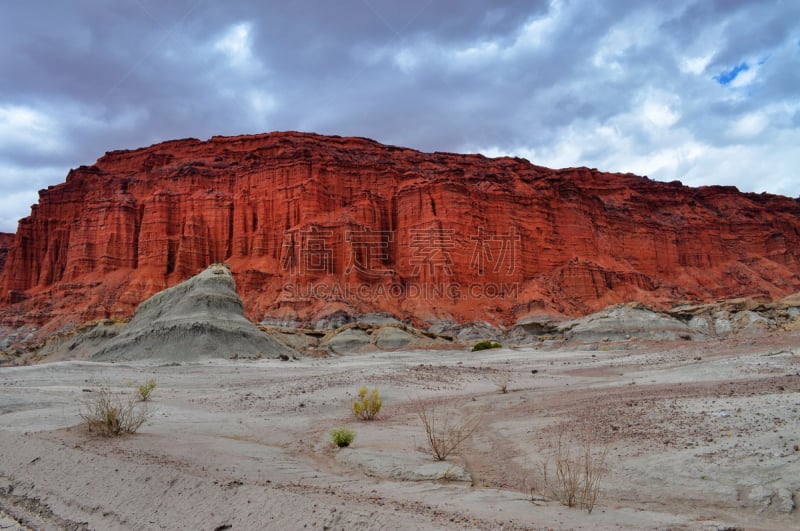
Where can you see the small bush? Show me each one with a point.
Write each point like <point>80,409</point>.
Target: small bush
<point>576,473</point>
<point>367,406</point>
<point>485,345</point>
<point>445,430</point>
<point>342,436</point>
<point>146,389</point>
<point>112,415</point>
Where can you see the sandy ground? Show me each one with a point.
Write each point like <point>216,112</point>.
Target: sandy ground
<point>699,436</point>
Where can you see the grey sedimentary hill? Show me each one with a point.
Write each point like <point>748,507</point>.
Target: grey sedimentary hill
<point>202,317</point>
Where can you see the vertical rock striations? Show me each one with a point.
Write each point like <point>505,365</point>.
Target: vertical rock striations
<point>5,243</point>
<point>312,225</point>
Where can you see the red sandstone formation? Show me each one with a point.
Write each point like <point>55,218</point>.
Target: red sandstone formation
<point>5,243</point>
<point>312,224</point>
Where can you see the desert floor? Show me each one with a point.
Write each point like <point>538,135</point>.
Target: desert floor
<point>699,435</point>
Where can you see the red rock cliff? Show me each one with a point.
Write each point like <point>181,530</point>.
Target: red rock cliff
<point>5,243</point>
<point>313,224</point>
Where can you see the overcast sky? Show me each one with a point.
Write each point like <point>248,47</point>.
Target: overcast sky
<point>702,91</point>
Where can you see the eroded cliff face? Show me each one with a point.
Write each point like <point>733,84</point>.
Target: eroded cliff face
<point>311,225</point>
<point>5,243</point>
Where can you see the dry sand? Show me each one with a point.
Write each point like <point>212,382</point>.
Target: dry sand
<point>700,435</point>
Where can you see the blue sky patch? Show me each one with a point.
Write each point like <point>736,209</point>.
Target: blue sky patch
<point>725,78</point>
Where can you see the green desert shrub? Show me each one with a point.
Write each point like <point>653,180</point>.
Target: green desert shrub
<point>367,405</point>
<point>146,389</point>
<point>342,436</point>
<point>484,345</point>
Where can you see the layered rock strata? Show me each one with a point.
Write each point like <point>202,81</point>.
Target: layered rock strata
<point>313,225</point>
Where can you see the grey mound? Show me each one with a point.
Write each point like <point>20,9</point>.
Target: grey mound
<point>626,322</point>
<point>202,317</point>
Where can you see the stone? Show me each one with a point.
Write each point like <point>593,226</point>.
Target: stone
<point>784,500</point>
<point>700,324</point>
<point>347,341</point>
<point>390,337</point>
<point>722,324</point>
<point>749,321</point>
<point>625,322</point>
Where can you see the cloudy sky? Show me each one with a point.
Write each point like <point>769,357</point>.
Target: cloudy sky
<point>702,91</point>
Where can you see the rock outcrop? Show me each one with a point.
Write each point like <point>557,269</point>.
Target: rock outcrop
<point>635,322</point>
<point>313,226</point>
<point>628,321</point>
<point>199,318</point>
<point>5,243</point>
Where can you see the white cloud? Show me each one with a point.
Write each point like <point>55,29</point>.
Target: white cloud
<point>19,190</point>
<point>236,44</point>
<point>696,65</point>
<point>535,34</point>
<point>31,129</point>
<point>749,125</point>
<point>539,31</point>
<point>659,114</point>
<point>406,59</point>
<point>477,53</point>
<point>14,206</point>
<point>242,79</point>
<point>679,156</point>
<point>262,104</point>
<point>633,32</point>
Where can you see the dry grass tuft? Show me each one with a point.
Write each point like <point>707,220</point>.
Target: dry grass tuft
<point>575,470</point>
<point>500,379</point>
<point>445,429</point>
<point>111,415</point>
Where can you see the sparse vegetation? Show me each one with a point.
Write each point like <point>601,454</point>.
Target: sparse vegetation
<point>146,389</point>
<point>110,414</point>
<point>445,429</point>
<point>342,436</point>
<point>485,345</point>
<point>501,380</point>
<point>577,471</point>
<point>367,405</point>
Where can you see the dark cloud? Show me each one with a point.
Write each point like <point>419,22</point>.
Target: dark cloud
<point>616,85</point>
